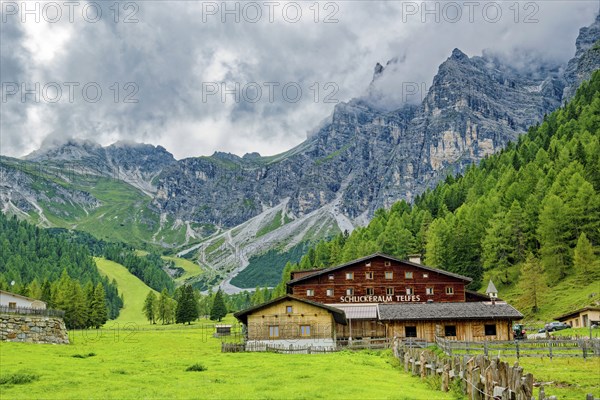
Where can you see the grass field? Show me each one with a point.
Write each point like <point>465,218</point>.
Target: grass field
<point>566,378</point>
<point>133,289</point>
<point>151,364</point>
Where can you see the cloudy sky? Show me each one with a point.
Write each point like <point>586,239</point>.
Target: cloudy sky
<point>196,77</point>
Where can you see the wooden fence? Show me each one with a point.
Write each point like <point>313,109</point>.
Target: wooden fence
<point>524,348</point>
<point>479,377</point>
<point>274,348</point>
<point>46,312</point>
<point>373,344</point>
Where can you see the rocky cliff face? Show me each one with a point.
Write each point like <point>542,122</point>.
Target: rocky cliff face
<point>586,60</point>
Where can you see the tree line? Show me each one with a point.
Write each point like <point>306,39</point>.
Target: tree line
<point>188,304</point>
<point>529,214</point>
<point>48,267</point>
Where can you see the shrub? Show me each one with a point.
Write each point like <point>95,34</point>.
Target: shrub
<point>18,378</point>
<point>196,367</point>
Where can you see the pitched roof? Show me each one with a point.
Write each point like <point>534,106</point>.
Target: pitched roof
<point>491,288</point>
<point>572,313</point>
<point>19,295</point>
<point>327,270</point>
<point>439,311</point>
<point>338,314</point>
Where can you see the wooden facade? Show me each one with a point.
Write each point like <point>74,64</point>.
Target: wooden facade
<point>379,279</point>
<point>469,330</point>
<point>404,287</point>
<point>288,318</point>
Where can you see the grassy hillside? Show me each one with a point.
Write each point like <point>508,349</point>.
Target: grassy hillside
<point>190,268</point>
<point>151,364</point>
<point>134,291</point>
<point>123,213</point>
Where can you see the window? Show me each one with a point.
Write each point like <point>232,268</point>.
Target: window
<point>329,292</point>
<point>410,291</point>
<point>450,330</point>
<point>310,292</point>
<point>410,331</point>
<point>349,275</point>
<point>369,275</point>
<point>350,292</point>
<point>368,264</point>
<point>304,330</point>
<point>274,331</point>
<point>425,275</point>
<point>449,290</point>
<point>389,291</point>
<point>387,263</point>
<point>370,291</point>
<point>12,305</point>
<point>408,275</point>
<point>289,309</point>
<point>490,330</point>
<point>429,291</point>
<point>330,277</point>
<point>389,275</point>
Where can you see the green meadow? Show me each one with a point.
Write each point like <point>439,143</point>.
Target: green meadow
<point>130,359</point>
<point>123,362</point>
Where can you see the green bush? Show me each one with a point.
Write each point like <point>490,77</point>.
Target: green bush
<point>19,378</point>
<point>196,367</point>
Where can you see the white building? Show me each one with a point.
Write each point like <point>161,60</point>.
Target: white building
<point>12,300</point>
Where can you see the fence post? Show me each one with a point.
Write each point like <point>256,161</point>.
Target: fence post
<point>584,349</point>
<point>550,349</point>
<point>485,348</point>
<point>475,384</point>
<point>518,352</point>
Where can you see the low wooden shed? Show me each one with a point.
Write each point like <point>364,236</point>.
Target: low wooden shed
<point>291,320</point>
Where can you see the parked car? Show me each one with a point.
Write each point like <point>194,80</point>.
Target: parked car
<point>554,326</point>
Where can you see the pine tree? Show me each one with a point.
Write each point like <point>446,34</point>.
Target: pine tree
<point>532,283</point>
<point>151,307</point>
<point>165,312</point>
<point>187,306</point>
<point>218,310</point>
<point>553,231</point>
<point>99,311</point>
<point>584,259</point>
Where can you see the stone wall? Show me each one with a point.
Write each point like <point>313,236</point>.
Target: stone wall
<point>33,329</point>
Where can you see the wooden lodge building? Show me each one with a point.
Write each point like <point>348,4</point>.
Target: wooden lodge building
<point>382,296</point>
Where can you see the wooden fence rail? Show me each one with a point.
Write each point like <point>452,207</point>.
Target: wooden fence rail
<point>274,348</point>
<point>46,312</point>
<point>524,348</point>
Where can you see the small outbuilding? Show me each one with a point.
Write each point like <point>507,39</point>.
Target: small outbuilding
<point>289,320</point>
<point>581,318</point>
<point>13,301</point>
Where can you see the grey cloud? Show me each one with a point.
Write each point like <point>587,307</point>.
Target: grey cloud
<point>171,52</point>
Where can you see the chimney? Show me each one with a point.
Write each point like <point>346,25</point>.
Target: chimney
<point>414,258</point>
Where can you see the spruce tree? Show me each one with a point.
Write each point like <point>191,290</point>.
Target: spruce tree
<point>218,310</point>
<point>584,259</point>
<point>99,310</point>
<point>151,307</point>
